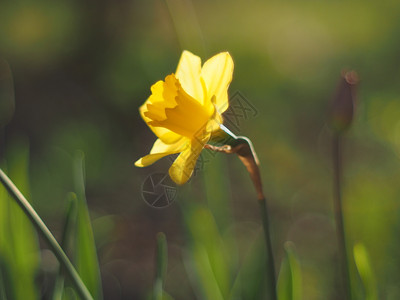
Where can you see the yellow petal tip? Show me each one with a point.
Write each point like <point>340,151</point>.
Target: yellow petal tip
<point>139,163</point>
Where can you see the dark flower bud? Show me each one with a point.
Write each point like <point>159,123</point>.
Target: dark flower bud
<point>343,105</point>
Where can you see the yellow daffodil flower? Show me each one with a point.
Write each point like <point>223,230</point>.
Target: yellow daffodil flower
<point>185,110</point>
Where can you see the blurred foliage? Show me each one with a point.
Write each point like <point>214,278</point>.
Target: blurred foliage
<point>79,70</point>
<point>207,257</point>
<point>289,281</point>
<point>85,247</point>
<point>20,265</point>
<point>365,271</point>
<point>161,267</point>
<point>36,32</point>
<point>6,93</point>
<point>59,290</point>
<point>19,252</point>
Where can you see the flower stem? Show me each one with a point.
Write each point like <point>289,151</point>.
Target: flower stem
<point>42,228</point>
<point>227,142</point>
<point>271,265</point>
<point>337,202</point>
<point>161,266</point>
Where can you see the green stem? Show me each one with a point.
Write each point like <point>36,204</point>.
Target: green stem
<point>42,228</point>
<point>270,263</point>
<point>337,202</point>
<point>243,147</point>
<point>161,266</point>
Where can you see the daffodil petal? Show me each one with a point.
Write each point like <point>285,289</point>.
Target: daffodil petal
<point>150,159</point>
<point>217,74</point>
<point>188,73</point>
<point>159,150</point>
<point>182,168</point>
<point>160,147</point>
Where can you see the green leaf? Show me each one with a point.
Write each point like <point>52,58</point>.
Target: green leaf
<point>206,261</point>
<point>66,241</point>
<point>251,280</point>
<point>290,278</point>
<point>364,268</point>
<point>86,254</point>
<point>216,186</point>
<point>167,296</point>
<point>69,294</point>
<point>19,250</point>
<point>7,289</point>
<point>161,266</point>
<point>200,271</point>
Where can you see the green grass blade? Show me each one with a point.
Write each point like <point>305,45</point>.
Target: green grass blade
<point>66,241</point>
<point>7,289</point>
<point>217,189</point>
<point>161,266</point>
<point>86,254</point>
<point>70,221</point>
<point>19,248</point>
<point>2,287</point>
<point>70,294</point>
<point>35,220</point>
<point>200,272</point>
<point>364,268</point>
<point>290,278</point>
<point>251,279</point>
<point>207,259</point>
<point>5,248</point>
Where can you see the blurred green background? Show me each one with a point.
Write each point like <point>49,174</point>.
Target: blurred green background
<point>73,74</point>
